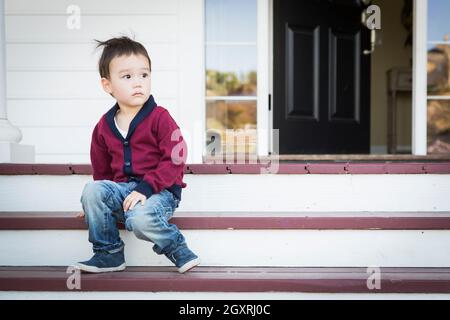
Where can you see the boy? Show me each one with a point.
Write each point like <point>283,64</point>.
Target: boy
<point>138,157</point>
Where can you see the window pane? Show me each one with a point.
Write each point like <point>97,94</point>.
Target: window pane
<point>233,123</point>
<point>438,127</point>
<point>231,50</point>
<point>231,20</point>
<point>438,20</point>
<point>231,64</point>
<point>231,71</point>
<point>439,48</point>
<point>439,70</point>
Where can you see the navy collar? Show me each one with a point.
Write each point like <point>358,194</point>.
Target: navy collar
<point>146,109</point>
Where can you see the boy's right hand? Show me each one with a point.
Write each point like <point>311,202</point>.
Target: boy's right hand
<point>80,214</point>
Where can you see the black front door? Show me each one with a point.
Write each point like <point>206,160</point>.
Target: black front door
<point>321,101</point>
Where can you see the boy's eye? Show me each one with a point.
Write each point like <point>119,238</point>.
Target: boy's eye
<point>145,75</point>
<point>127,76</point>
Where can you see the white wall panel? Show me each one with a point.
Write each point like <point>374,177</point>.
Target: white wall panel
<point>78,57</point>
<point>53,86</point>
<point>92,6</point>
<point>66,140</point>
<point>70,113</point>
<point>77,85</point>
<point>53,29</point>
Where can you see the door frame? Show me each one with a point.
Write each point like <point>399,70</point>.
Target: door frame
<point>265,78</point>
<point>420,74</point>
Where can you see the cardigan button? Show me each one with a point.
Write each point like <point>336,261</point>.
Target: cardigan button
<point>126,143</point>
<point>127,164</point>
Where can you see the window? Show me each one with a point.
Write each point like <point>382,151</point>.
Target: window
<point>231,76</point>
<point>438,80</point>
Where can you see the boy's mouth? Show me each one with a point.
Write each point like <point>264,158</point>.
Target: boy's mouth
<point>137,94</point>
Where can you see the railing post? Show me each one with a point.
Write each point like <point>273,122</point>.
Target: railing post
<point>10,136</point>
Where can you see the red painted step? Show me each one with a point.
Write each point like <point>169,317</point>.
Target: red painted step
<point>232,279</point>
<point>282,168</point>
<point>331,221</point>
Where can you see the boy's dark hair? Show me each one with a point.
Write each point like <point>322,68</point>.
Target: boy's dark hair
<point>117,47</point>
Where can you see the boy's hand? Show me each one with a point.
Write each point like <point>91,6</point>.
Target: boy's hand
<point>80,214</point>
<point>132,199</point>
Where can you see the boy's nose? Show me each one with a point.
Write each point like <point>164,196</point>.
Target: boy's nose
<point>137,84</point>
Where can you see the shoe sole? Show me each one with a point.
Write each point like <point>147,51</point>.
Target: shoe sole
<point>93,269</point>
<point>189,265</point>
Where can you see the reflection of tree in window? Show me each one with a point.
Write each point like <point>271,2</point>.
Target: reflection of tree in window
<point>229,84</point>
<point>439,69</point>
<point>438,126</point>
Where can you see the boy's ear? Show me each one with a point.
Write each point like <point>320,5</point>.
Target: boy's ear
<point>106,84</point>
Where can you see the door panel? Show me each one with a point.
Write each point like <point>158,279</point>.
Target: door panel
<point>321,77</point>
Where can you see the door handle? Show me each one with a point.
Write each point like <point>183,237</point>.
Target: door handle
<point>373,41</point>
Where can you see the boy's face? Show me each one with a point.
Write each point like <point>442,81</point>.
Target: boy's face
<point>129,80</point>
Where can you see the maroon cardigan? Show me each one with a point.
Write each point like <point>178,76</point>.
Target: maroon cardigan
<point>145,155</point>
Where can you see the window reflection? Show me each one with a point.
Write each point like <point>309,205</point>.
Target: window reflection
<point>438,126</point>
<point>229,84</point>
<point>234,124</point>
<point>438,108</point>
<point>439,69</point>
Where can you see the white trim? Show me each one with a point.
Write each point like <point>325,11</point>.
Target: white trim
<point>270,48</point>
<point>177,295</point>
<point>224,43</point>
<point>192,71</point>
<point>438,97</point>
<point>232,98</point>
<point>3,62</point>
<point>439,42</point>
<point>419,114</point>
<point>262,121</point>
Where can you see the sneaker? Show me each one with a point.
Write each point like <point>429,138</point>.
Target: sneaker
<point>184,259</point>
<point>103,261</point>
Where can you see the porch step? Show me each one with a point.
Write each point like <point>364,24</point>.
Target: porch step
<point>232,279</point>
<point>299,187</point>
<point>248,220</point>
<point>416,239</point>
<point>251,192</point>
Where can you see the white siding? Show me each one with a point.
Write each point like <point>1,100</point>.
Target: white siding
<point>53,87</point>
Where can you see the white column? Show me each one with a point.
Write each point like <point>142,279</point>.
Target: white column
<point>10,136</point>
<point>419,115</point>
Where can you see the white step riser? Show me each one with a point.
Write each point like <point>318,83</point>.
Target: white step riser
<point>334,248</point>
<point>117,295</point>
<point>253,193</point>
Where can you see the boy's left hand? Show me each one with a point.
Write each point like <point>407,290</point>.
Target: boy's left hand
<point>132,199</point>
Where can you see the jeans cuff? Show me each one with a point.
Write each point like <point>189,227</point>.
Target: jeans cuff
<point>114,248</point>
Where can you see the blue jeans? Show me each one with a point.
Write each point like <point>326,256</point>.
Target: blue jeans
<point>102,202</point>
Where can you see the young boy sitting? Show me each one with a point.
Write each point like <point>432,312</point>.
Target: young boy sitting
<point>138,156</point>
